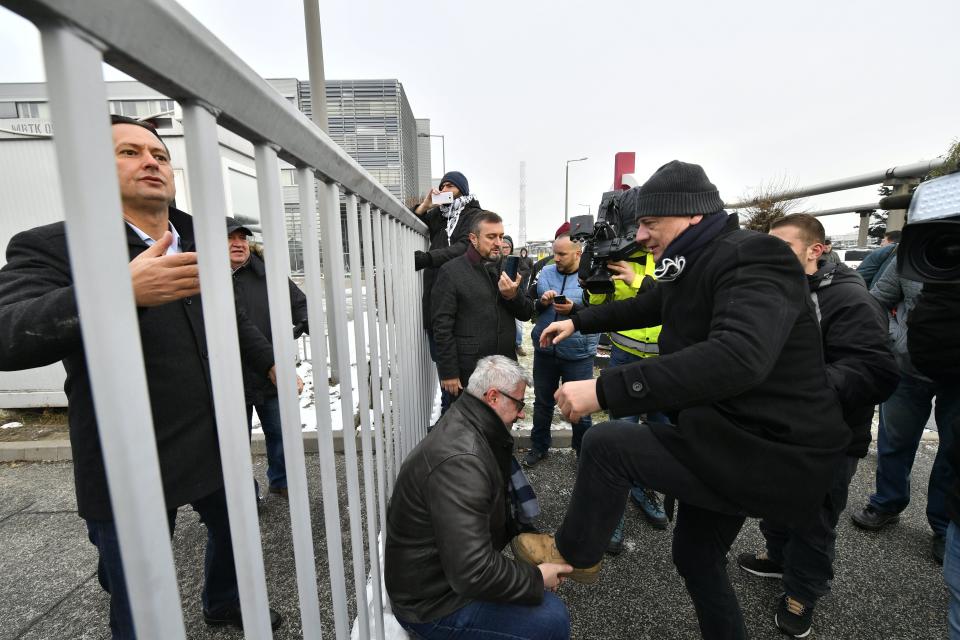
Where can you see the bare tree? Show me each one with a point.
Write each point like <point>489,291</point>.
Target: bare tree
<point>767,204</point>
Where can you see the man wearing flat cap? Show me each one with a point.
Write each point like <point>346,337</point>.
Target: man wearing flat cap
<point>250,290</point>
<point>741,367</point>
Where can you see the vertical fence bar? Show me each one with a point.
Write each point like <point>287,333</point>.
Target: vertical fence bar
<point>321,387</point>
<point>360,344</point>
<point>332,243</point>
<point>370,298</point>
<point>109,328</point>
<point>389,249</point>
<point>209,202</point>
<point>409,360</point>
<point>284,348</point>
<point>383,266</point>
<point>399,370</point>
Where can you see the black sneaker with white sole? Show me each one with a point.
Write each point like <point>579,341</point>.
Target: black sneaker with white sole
<point>759,564</point>
<point>793,617</point>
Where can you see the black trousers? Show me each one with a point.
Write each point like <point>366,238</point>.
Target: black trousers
<point>617,455</point>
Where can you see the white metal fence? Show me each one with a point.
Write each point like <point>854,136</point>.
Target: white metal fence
<point>159,43</point>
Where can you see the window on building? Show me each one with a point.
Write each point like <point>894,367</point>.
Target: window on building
<point>38,110</point>
<point>140,108</point>
<point>288,177</point>
<point>8,109</point>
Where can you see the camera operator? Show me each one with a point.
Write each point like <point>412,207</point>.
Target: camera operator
<point>742,364</point>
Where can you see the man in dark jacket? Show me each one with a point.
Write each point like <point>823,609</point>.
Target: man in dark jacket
<point>863,372</point>
<point>250,288</point>
<point>449,519</point>
<point>39,325</point>
<point>474,306</point>
<point>877,260</point>
<point>448,227</point>
<point>759,431</point>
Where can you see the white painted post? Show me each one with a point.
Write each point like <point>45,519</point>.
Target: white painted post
<point>383,269</point>
<point>321,390</point>
<point>219,316</point>
<point>277,263</point>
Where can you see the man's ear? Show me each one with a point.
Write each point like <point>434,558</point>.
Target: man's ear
<point>696,219</point>
<point>816,250</point>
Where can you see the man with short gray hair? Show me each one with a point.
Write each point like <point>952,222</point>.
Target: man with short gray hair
<point>449,518</point>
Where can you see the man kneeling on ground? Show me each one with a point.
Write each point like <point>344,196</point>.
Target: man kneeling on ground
<point>449,519</point>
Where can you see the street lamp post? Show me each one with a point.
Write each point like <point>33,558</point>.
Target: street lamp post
<point>443,147</point>
<point>566,197</point>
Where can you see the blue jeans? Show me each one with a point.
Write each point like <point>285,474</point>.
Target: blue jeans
<point>548,371</point>
<point>519,332</point>
<point>480,620</point>
<point>618,358</point>
<point>220,575</point>
<point>902,418</point>
<point>951,575</point>
<point>269,413</point>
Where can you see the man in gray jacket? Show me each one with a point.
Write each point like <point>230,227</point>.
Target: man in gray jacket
<point>449,519</point>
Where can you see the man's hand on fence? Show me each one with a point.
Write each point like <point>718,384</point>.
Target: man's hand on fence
<point>272,375</point>
<point>299,385</point>
<point>556,332</point>
<point>421,260</point>
<point>509,288</point>
<point>158,279</point>
<point>577,399</point>
<point>452,386</point>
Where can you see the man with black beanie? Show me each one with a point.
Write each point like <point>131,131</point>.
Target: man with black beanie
<point>741,367</point>
<point>448,227</point>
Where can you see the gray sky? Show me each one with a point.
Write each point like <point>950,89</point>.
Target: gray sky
<point>753,91</point>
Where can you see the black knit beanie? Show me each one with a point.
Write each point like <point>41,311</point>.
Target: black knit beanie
<point>458,180</point>
<point>678,189</point>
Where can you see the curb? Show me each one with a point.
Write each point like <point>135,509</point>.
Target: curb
<point>59,450</point>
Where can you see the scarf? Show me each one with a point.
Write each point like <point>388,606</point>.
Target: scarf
<point>452,212</point>
<point>688,244</point>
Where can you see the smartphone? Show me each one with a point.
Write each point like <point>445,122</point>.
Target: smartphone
<point>444,197</point>
<point>560,299</point>
<point>510,266</point>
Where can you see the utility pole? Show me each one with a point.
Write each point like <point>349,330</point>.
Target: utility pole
<point>566,197</point>
<point>523,203</point>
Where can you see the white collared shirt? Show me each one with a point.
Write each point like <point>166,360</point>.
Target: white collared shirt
<point>174,246</point>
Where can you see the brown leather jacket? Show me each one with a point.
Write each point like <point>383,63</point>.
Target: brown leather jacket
<point>449,518</point>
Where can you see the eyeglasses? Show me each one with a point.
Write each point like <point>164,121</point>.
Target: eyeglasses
<point>520,403</point>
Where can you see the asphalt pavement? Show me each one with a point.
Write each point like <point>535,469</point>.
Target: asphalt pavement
<point>887,585</point>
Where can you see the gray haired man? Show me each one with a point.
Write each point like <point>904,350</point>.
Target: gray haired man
<point>449,519</point>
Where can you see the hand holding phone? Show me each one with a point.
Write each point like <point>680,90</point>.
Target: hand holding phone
<point>560,299</point>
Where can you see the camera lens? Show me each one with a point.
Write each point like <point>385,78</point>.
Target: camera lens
<point>943,252</point>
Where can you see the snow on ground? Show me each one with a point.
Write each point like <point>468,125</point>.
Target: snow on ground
<point>11,425</point>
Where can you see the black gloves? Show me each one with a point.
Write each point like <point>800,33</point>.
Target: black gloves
<point>422,260</point>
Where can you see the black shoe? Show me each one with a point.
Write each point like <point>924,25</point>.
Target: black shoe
<point>615,546</point>
<point>533,457</point>
<point>759,564</point>
<point>938,547</point>
<point>793,617</point>
<point>872,519</point>
<point>231,617</point>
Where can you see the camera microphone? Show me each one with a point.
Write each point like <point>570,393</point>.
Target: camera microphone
<point>901,201</point>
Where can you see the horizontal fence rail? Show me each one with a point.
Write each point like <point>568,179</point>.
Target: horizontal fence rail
<point>160,44</point>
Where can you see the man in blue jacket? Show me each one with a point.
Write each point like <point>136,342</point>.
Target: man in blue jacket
<point>559,295</point>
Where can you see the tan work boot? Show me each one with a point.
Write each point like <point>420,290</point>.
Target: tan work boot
<point>537,548</point>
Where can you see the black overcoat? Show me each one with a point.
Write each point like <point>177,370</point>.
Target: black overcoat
<point>250,287</point>
<point>471,320</point>
<point>39,325</point>
<point>443,249</point>
<point>742,362</point>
